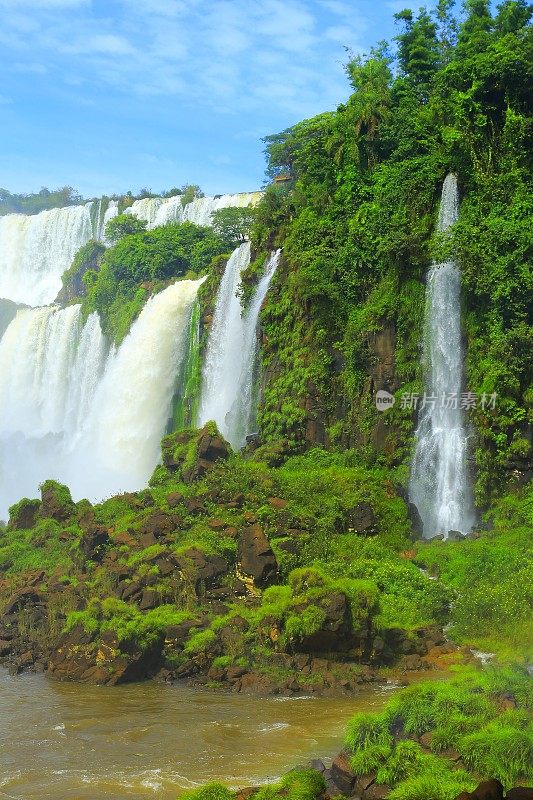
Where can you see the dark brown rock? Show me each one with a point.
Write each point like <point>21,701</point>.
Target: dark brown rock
<point>362,519</point>
<point>159,524</point>
<point>174,499</point>
<point>204,569</point>
<point>23,598</point>
<point>520,793</point>
<point>257,557</point>
<point>377,791</point>
<point>488,790</point>
<point>335,632</point>
<point>23,515</point>
<point>342,774</point>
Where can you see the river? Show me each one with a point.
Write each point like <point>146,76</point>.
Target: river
<point>151,740</point>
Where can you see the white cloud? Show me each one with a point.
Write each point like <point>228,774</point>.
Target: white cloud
<point>224,54</point>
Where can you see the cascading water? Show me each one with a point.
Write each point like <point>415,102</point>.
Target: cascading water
<point>227,385</point>
<point>36,250</point>
<point>439,484</point>
<point>72,411</point>
<point>158,211</point>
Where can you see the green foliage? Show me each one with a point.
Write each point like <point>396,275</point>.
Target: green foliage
<point>33,203</point>
<point>211,791</point>
<point>502,751</point>
<point>491,577</point>
<point>461,714</point>
<point>130,625</point>
<point>21,512</point>
<point>138,262</point>
<point>88,257</point>
<point>233,224</point>
<point>123,225</point>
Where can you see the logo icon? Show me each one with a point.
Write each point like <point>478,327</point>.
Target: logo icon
<point>384,400</point>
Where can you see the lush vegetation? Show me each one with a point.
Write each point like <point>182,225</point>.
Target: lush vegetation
<point>33,203</point>
<point>356,222</point>
<point>139,263</point>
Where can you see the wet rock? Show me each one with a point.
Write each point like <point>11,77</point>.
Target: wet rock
<point>415,519</point>
<point>342,775</point>
<point>257,557</point>
<point>456,536</point>
<point>5,648</point>
<point>520,793</point>
<point>23,598</point>
<point>80,656</point>
<point>174,499</point>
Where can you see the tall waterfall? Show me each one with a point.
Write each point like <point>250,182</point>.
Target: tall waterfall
<point>159,211</point>
<point>35,250</point>
<point>73,411</point>
<point>228,375</point>
<point>439,484</point>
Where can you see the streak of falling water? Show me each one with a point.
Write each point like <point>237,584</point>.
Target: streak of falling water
<point>440,484</point>
<point>228,377</point>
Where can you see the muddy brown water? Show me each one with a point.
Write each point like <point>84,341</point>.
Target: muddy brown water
<point>150,740</point>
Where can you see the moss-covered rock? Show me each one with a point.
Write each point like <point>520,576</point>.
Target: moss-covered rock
<point>23,515</point>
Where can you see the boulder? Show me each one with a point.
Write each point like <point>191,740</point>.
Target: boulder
<point>23,598</point>
<point>455,536</point>
<point>520,793</point>
<point>56,502</point>
<point>335,632</point>
<point>487,790</point>
<point>23,515</point>
<point>256,557</point>
<point>159,524</point>
<point>205,570</point>
<point>417,526</point>
<point>362,519</point>
<point>342,775</point>
<point>93,542</point>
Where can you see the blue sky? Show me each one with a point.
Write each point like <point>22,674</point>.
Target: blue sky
<point>111,95</point>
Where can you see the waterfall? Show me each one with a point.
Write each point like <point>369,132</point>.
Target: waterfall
<point>227,385</point>
<point>109,214</point>
<point>36,250</point>
<point>73,411</point>
<point>158,211</point>
<point>439,484</point>
<point>186,401</point>
<point>133,402</point>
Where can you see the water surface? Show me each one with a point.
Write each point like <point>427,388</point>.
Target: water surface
<point>150,740</point>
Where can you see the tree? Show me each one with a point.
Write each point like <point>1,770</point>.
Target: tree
<point>123,225</point>
<point>447,29</point>
<point>190,192</point>
<point>418,48</point>
<point>512,16</point>
<point>233,224</point>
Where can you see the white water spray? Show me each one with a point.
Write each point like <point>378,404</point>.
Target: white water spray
<point>36,250</point>
<point>72,411</point>
<point>158,211</point>
<point>439,485</point>
<point>228,377</point>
